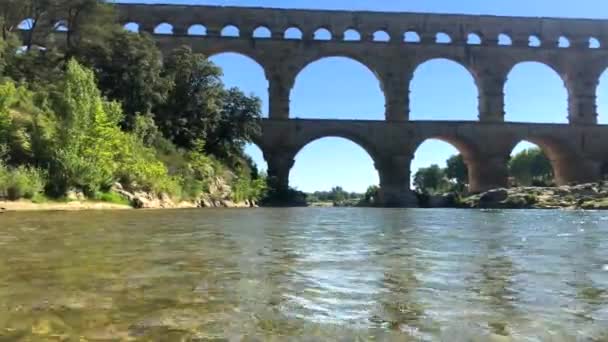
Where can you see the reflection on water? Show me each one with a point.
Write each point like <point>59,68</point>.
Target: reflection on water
<point>269,274</point>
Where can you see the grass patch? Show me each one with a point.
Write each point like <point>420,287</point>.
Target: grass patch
<point>112,197</point>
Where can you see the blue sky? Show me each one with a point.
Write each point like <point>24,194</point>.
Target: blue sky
<point>340,88</point>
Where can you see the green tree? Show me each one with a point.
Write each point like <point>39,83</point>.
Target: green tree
<point>194,102</point>
<point>128,67</point>
<point>371,195</point>
<point>239,123</point>
<point>530,166</point>
<point>431,180</point>
<point>88,135</point>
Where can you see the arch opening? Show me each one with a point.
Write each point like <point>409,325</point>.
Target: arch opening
<point>197,30</point>
<point>439,166</point>
<point>442,89</point>
<point>594,43</point>
<point>334,164</point>
<point>256,154</point>
<point>602,98</point>
<point>381,36</point>
<point>563,42</point>
<point>443,38</point>
<point>244,73</point>
<point>230,31</point>
<point>322,34</point>
<point>474,39</point>
<point>530,165</point>
<point>337,88</point>
<point>132,27</point>
<point>411,37</point>
<point>293,33</point>
<point>534,41</point>
<point>504,40</point>
<point>547,102</point>
<point>60,26</point>
<point>352,35</point>
<point>26,24</point>
<point>262,32</point>
<point>164,29</point>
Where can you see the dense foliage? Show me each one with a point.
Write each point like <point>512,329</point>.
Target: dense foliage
<point>94,106</point>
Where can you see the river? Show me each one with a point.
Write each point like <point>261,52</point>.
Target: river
<point>325,274</point>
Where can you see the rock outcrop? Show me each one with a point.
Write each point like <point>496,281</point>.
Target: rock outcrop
<point>583,196</point>
<point>218,196</point>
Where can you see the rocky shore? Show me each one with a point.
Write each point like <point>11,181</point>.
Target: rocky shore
<point>593,196</point>
<point>218,196</point>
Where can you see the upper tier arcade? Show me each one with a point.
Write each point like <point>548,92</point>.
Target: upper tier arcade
<point>391,45</point>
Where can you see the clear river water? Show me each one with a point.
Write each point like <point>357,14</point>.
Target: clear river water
<point>304,274</point>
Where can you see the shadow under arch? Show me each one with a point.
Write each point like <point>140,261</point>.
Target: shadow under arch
<point>343,59</point>
<point>447,79</point>
<point>541,104</point>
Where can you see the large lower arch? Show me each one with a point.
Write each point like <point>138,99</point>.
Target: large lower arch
<point>535,92</point>
<point>442,89</point>
<point>335,160</point>
<point>442,148</point>
<point>337,88</point>
<point>244,73</point>
<point>567,164</point>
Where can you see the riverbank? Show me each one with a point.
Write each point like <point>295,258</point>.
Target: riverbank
<point>27,205</point>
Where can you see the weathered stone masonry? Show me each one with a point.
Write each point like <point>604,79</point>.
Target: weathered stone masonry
<point>578,151</point>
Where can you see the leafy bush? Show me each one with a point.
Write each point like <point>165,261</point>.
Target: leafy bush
<point>21,182</point>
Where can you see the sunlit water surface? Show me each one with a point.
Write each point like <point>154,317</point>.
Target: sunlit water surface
<point>304,274</point>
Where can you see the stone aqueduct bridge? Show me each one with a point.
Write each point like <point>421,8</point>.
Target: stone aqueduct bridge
<point>578,150</point>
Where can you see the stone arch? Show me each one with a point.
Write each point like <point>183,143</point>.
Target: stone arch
<point>443,38</point>
<point>262,32</point>
<point>245,72</point>
<point>474,39</point>
<point>131,27</point>
<point>560,154</point>
<point>563,42</point>
<point>334,58</point>
<point>358,140</point>
<point>230,31</point>
<point>60,25</point>
<point>293,32</point>
<point>519,102</point>
<point>594,43</point>
<point>322,33</point>
<point>197,30</point>
<point>352,35</point>
<point>255,151</point>
<point>457,75</point>
<point>411,37</point>
<point>163,28</point>
<point>381,36</point>
<point>505,39</point>
<point>345,143</point>
<point>534,41</point>
<point>467,149</point>
<point>26,24</point>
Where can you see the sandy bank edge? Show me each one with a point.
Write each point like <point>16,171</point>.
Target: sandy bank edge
<point>23,205</point>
